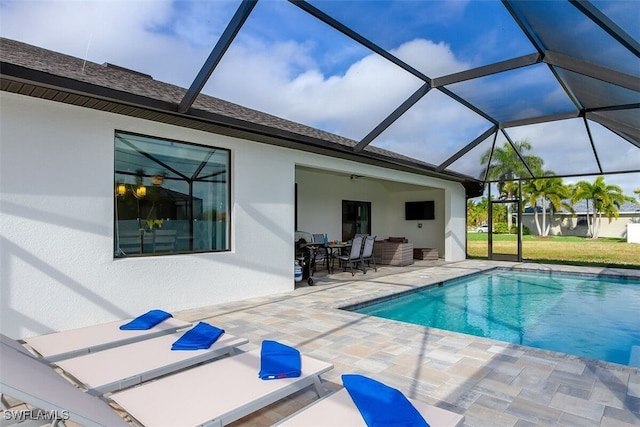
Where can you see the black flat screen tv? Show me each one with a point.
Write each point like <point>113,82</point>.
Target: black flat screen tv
<point>419,210</point>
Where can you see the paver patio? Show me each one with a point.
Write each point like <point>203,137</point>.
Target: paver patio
<point>492,383</point>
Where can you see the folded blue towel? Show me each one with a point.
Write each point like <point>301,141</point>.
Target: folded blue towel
<point>278,361</point>
<point>146,321</point>
<point>381,405</point>
<point>200,337</point>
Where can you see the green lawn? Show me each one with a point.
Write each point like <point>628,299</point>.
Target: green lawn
<point>560,249</point>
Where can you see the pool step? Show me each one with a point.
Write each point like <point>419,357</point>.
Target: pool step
<point>634,357</point>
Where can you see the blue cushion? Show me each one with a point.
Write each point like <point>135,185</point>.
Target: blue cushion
<point>278,361</point>
<point>200,337</point>
<point>146,321</point>
<point>381,405</point>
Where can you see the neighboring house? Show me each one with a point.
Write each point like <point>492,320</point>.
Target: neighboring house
<point>567,223</point>
<point>113,203</point>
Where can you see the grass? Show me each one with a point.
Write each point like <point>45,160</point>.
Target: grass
<point>604,252</point>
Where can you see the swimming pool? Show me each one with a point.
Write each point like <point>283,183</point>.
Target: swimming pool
<point>585,315</point>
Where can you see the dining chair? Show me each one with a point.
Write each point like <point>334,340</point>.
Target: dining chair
<point>354,257</point>
<point>321,252</point>
<point>367,253</point>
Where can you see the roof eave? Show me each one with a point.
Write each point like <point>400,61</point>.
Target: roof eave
<point>26,81</point>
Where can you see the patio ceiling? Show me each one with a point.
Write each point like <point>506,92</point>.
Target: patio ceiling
<point>445,84</point>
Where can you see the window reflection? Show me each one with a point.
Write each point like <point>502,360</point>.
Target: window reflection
<point>170,197</point>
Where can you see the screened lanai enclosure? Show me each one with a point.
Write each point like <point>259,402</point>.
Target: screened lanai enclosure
<point>497,92</point>
<point>474,91</point>
<point>445,83</point>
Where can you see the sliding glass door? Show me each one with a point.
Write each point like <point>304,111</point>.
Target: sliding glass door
<point>356,218</point>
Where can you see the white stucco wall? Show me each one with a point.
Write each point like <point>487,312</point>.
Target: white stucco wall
<point>566,225</point>
<point>56,193</point>
<point>633,233</point>
<point>57,269</point>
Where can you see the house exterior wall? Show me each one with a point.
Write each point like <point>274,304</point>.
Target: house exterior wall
<point>567,224</point>
<point>57,267</point>
<point>633,233</point>
<point>58,270</point>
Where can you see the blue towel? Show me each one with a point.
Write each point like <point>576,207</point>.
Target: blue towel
<point>278,361</point>
<point>200,337</point>
<point>381,405</point>
<point>146,321</point>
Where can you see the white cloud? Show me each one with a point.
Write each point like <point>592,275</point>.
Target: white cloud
<point>71,26</point>
<point>268,78</point>
<point>171,40</point>
<point>433,59</point>
<point>125,33</point>
<point>283,79</point>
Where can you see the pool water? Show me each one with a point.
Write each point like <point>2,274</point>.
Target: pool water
<point>590,316</point>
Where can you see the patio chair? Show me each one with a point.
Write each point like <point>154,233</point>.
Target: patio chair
<point>354,257</point>
<point>75,342</point>
<point>215,393</point>
<point>320,253</point>
<point>124,366</point>
<point>340,408</point>
<point>31,381</point>
<point>367,253</point>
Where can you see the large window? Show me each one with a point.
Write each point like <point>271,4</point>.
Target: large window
<point>170,197</point>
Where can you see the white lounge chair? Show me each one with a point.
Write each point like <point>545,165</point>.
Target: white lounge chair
<point>215,393</point>
<point>338,409</point>
<point>14,344</point>
<point>128,365</point>
<point>34,382</point>
<point>75,342</point>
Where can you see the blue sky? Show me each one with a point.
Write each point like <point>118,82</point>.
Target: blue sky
<point>287,63</point>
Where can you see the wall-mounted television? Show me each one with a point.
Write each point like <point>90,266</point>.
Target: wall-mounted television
<point>419,210</point>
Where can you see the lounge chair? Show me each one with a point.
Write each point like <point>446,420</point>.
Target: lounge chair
<point>75,342</point>
<point>215,393</point>
<point>34,382</point>
<point>338,409</point>
<point>128,365</point>
<point>14,344</point>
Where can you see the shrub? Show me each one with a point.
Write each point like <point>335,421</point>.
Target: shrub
<point>500,228</point>
<point>503,228</point>
<point>525,230</point>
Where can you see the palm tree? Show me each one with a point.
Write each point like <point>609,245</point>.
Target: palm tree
<point>546,189</point>
<point>506,167</point>
<point>604,198</point>
<point>477,212</point>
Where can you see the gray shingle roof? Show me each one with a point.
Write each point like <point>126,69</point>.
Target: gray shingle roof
<point>581,208</point>
<point>144,87</point>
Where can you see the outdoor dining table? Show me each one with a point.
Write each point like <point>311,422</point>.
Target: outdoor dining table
<point>331,249</point>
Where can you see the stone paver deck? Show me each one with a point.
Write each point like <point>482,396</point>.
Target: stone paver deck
<point>491,383</point>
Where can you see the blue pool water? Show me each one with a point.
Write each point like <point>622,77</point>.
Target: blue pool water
<point>589,316</point>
